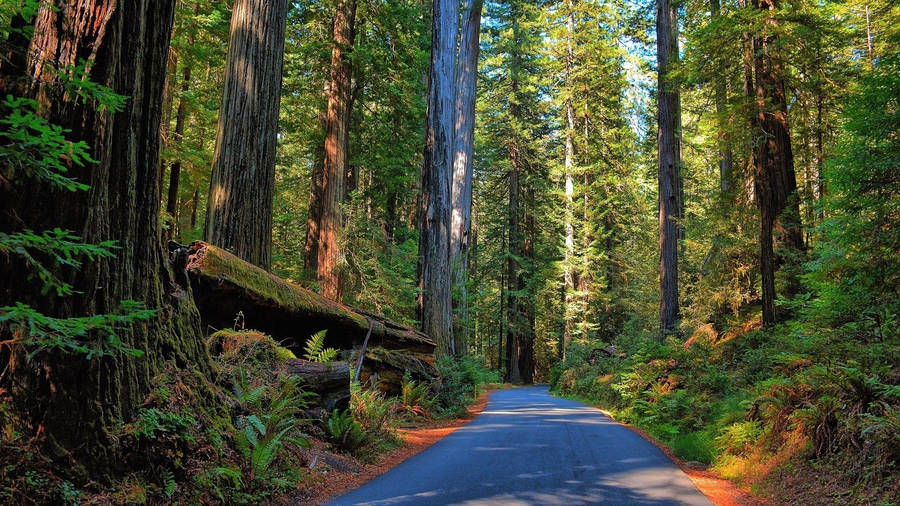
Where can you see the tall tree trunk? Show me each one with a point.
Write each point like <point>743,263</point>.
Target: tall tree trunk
<point>194,201</point>
<point>77,403</point>
<point>175,170</point>
<point>583,279</point>
<point>316,187</point>
<point>669,152</point>
<point>569,164</point>
<point>501,319</point>
<point>721,92</point>
<point>514,251</point>
<point>775,181</point>
<point>168,105</point>
<point>463,166</point>
<point>434,305</point>
<point>241,190</point>
<point>337,119</point>
<point>526,336</point>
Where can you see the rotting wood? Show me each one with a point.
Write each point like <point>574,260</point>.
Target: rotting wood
<point>330,381</point>
<point>223,284</point>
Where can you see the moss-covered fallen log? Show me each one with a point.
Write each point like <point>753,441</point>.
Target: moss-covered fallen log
<point>226,287</point>
<point>386,368</point>
<point>259,356</point>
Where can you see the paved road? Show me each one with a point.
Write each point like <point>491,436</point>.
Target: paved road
<point>528,447</point>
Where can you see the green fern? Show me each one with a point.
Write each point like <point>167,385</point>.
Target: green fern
<point>262,434</point>
<point>168,483</point>
<point>316,351</point>
<point>344,431</point>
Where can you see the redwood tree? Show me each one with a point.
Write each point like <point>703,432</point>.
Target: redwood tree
<point>434,304</point>
<point>74,402</point>
<point>774,178</point>
<point>669,152</point>
<point>241,191</point>
<point>463,166</point>
<point>335,161</point>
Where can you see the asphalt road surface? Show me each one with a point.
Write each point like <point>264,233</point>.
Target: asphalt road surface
<point>528,447</point>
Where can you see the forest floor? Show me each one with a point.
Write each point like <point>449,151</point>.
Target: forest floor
<point>334,474</point>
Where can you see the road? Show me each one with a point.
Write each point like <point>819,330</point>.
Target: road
<point>528,447</point>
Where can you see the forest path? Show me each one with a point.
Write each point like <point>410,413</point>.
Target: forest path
<point>528,447</point>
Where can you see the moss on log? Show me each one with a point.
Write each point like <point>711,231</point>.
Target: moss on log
<point>224,285</point>
<point>388,367</point>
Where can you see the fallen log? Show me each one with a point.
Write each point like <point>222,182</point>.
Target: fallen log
<point>254,350</point>
<point>330,381</point>
<point>224,287</point>
<point>385,368</point>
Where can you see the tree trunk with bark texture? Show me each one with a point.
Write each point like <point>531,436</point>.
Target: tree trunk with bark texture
<point>434,305</point>
<point>529,313</point>
<point>241,190</point>
<point>775,181</point>
<point>78,402</point>
<point>512,274</point>
<point>335,162</point>
<point>175,170</point>
<point>721,93</point>
<point>330,382</point>
<point>569,165</point>
<point>669,152</point>
<point>463,166</point>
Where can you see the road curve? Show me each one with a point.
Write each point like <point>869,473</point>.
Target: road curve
<point>528,447</point>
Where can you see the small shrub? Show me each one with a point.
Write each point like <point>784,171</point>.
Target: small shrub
<point>738,438</point>
<point>344,432</point>
<point>414,397</point>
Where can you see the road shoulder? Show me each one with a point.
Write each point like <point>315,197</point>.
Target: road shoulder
<point>334,479</point>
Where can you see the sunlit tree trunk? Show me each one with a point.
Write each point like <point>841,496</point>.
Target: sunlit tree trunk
<point>241,191</point>
<point>569,165</point>
<point>463,148</point>
<point>721,93</point>
<point>513,325</point>
<point>669,153</point>
<point>434,305</point>
<point>335,162</point>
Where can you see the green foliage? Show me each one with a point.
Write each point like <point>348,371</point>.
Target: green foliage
<point>459,383</point>
<point>64,248</point>
<point>90,336</point>
<point>153,421</point>
<point>414,397</point>
<point>344,432</point>
<point>36,148</point>
<point>316,351</point>
<point>270,421</point>
<point>33,149</point>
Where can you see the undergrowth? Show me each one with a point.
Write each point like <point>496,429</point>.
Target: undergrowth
<point>761,407</point>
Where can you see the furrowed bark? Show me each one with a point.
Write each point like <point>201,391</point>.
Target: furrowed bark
<point>775,180</point>
<point>335,162</point>
<point>669,158</point>
<point>569,164</point>
<point>239,214</point>
<point>434,305</point>
<point>78,402</point>
<point>463,167</point>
